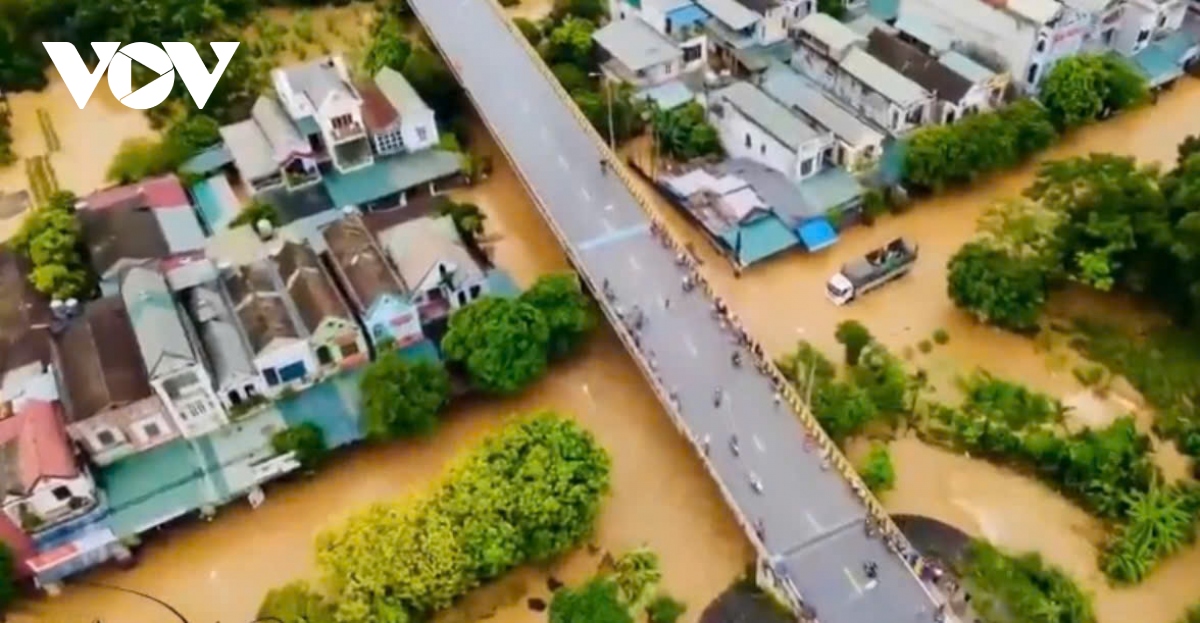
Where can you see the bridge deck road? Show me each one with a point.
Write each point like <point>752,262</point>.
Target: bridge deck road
<point>813,521</point>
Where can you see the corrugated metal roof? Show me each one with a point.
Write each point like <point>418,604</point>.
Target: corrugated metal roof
<point>636,45</point>
<point>926,32</point>
<point>669,95</point>
<point>389,175</point>
<point>417,246</point>
<point>834,34</point>
<point>180,228</point>
<point>966,67</point>
<point>249,148</point>
<point>796,91</point>
<point>227,350</point>
<point>768,114</point>
<point>881,78</point>
<point>731,13</point>
<point>161,336</point>
<point>918,66</point>
<point>1037,11</point>
<point>399,93</point>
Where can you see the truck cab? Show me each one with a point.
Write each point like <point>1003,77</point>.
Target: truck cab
<point>839,289</point>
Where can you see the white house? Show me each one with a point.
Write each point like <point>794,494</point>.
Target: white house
<point>858,143</point>
<point>171,353</point>
<point>430,256</point>
<point>754,126</point>
<point>42,483</point>
<point>398,119</point>
<point>834,56</point>
<point>1143,21</point>
<point>235,378</point>
<point>1024,37</point>
<point>955,95</point>
<point>278,343</point>
<point>321,93</point>
<point>634,52</point>
<point>333,333</point>
<point>682,21</point>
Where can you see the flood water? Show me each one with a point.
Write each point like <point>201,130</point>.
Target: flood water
<point>783,301</point>
<point>661,496</point>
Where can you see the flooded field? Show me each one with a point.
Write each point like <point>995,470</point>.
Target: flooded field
<point>219,571</point>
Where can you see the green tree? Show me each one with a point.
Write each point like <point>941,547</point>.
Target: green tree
<point>876,469</point>
<point>628,112</point>
<point>573,78</point>
<point>593,10</point>
<point>296,602</point>
<point>1080,88</point>
<point>529,28</point>
<point>996,287</point>
<point>402,398</point>
<point>852,335</point>
<point>1023,589</point>
<point>833,8</point>
<point>257,210</point>
<point>306,439</point>
<point>1025,230</point>
<point>684,132</point>
<point>1189,146</point>
<point>8,580</point>
<point>571,42</point>
<point>665,609</point>
<point>1192,615</point>
<point>389,46</point>
<point>806,362</point>
<point>1030,125</point>
<point>594,602</point>
<point>136,159</point>
<point>637,573</point>
<point>1110,208</point>
<point>468,219</point>
<point>503,344</point>
<point>434,82</point>
<point>49,238</point>
<point>1124,85</point>
<point>883,378</point>
<point>569,312</point>
<point>843,410</point>
<point>1159,523</point>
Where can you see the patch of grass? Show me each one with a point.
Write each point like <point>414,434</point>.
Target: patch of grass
<point>941,337</point>
<point>1011,589</point>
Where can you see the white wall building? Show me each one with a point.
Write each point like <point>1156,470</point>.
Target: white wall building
<point>321,92</point>
<point>41,481</point>
<point>431,258</point>
<point>682,21</point>
<point>278,342</point>
<point>636,53</point>
<point>754,126</point>
<point>399,120</point>
<point>1143,21</point>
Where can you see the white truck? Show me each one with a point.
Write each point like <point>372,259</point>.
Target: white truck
<point>874,269</point>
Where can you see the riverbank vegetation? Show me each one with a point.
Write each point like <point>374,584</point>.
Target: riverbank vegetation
<point>529,493</point>
<point>1022,588</point>
<point>619,593</point>
<point>1077,91</point>
<point>50,239</point>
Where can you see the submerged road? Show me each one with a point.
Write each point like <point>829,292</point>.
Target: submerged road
<point>812,522</point>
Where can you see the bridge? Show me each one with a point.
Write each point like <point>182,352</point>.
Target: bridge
<point>794,494</point>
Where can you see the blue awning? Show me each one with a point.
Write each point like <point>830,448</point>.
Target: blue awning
<point>817,234</point>
<point>687,15</point>
<point>1157,65</point>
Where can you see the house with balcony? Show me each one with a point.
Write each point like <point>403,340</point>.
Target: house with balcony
<point>127,225</point>
<point>1154,35</point>
<point>1024,38</point>
<point>744,32</point>
<point>111,410</point>
<point>278,344</point>
<point>681,21</point>
<point>834,56</point>
<point>269,151</point>
<point>431,258</point>
<point>325,106</point>
<point>377,295</point>
<point>754,126</point>
<point>42,482</point>
<point>955,95</point>
<point>333,333</point>
<point>857,144</point>
<point>236,380</point>
<point>397,118</point>
<point>171,353</point>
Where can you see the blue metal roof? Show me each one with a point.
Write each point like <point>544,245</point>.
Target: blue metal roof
<point>817,234</point>
<point>759,239</point>
<point>687,15</point>
<point>389,175</point>
<point>886,10</point>
<point>1157,65</point>
<point>1177,45</point>
<point>669,95</point>
<point>208,160</point>
<point>830,189</point>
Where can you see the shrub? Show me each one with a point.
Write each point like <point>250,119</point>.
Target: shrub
<point>877,471</point>
<point>665,609</point>
<point>854,337</point>
<point>296,602</point>
<point>401,398</point>
<point>996,287</point>
<point>925,346</point>
<point>941,337</point>
<point>1023,588</point>
<point>1159,522</point>
<point>306,439</point>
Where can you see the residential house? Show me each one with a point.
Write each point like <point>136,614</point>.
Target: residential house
<point>431,258</point>
<point>236,380</point>
<point>956,96</point>
<point>171,353</point>
<point>1023,37</point>
<point>42,482</point>
<point>269,152</point>
<point>742,28</point>
<point>680,20</point>
<point>631,51</point>
<point>858,144</point>
<point>277,342</point>
<point>327,108</point>
<point>754,126</point>
<point>333,333</point>
<point>375,292</point>
<point>111,409</point>
<point>25,319</point>
<point>1102,19</point>
<point>126,225</point>
<point>1143,21</point>
<point>834,56</point>
<point>398,119</point>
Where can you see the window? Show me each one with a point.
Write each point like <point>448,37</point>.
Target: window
<point>176,385</point>
<point>827,156</point>
<point>1041,45</point>
<point>323,355</point>
<point>692,53</point>
<point>475,291</point>
<point>1143,35</point>
<point>349,349</point>
<point>105,438</point>
<point>234,397</point>
<point>950,116</point>
<point>895,120</point>
<point>806,167</point>
<point>62,494</point>
<point>422,133</point>
<point>272,376</point>
<point>748,145</point>
<point>1162,21</point>
<point>668,26</point>
<point>250,390</point>
<point>462,297</point>
<point>379,331</point>
<point>1032,76</point>
<point>151,430</point>
<point>762,148</point>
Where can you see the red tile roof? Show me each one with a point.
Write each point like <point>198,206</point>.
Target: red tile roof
<point>42,449</point>
<point>378,112</point>
<point>156,192</point>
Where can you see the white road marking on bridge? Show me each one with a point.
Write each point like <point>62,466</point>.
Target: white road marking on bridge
<point>759,444</point>
<point>850,576</point>
<point>608,227</point>
<point>586,195</point>
<point>691,346</point>
<point>608,208</point>
<point>634,263</point>
<point>813,521</point>
<point>562,162</point>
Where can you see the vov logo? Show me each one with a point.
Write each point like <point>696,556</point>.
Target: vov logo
<point>172,57</point>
